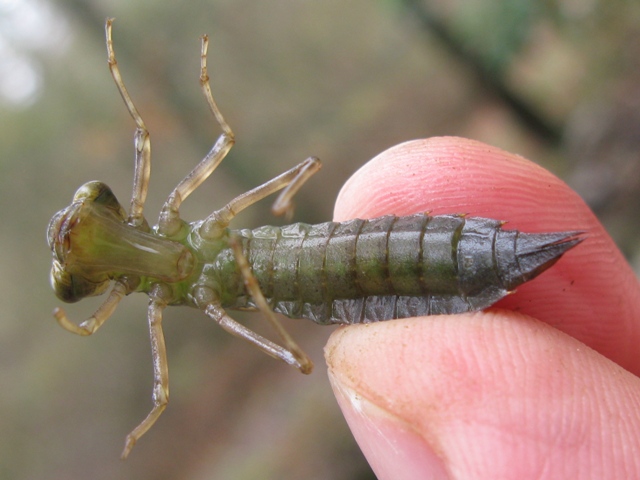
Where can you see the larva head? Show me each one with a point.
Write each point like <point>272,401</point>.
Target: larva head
<point>74,237</point>
<point>92,243</point>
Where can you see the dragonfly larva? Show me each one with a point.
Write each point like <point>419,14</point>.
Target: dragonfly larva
<point>356,271</point>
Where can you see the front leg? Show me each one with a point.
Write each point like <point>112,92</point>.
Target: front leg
<point>157,303</point>
<point>101,315</point>
<point>142,140</point>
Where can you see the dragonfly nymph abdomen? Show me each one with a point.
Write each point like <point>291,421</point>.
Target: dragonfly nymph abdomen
<point>355,271</point>
<point>361,271</point>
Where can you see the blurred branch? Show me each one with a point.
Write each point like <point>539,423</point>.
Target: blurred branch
<point>534,120</point>
<point>83,11</point>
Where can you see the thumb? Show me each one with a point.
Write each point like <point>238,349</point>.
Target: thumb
<point>485,395</point>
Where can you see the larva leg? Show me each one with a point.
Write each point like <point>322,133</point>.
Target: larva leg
<point>142,141</point>
<point>169,222</point>
<point>305,363</point>
<point>160,370</point>
<point>101,315</point>
<point>292,179</point>
<point>216,313</point>
<point>207,302</point>
<point>283,204</point>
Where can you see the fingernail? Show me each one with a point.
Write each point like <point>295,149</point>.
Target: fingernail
<point>393,449</point>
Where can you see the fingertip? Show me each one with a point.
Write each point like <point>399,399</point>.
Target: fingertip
<point>393,448</point>
<point>486,395</point>
<point>451,175</point>
<point>591,293</point>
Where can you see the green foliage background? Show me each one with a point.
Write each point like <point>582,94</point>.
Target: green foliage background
<point>555,81</point>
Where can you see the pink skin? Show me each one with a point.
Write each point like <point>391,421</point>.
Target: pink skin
<point>543,386</point>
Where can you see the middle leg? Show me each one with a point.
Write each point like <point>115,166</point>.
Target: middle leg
<point>157,303</point>
<point>290,181</point>
<point>169,222</point>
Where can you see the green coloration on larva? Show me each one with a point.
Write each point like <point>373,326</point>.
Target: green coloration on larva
<point>356,271</point>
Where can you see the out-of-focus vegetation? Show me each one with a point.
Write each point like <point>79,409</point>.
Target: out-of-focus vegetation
<point>554,81</point>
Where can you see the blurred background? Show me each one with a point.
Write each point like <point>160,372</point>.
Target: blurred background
<point>556,81</point>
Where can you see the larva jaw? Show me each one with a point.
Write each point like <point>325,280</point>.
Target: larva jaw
<point>72,288</point>
<point>71,284</point>
<point>92,243</point>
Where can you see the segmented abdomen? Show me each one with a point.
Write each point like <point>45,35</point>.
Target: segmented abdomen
<point>391,267</point>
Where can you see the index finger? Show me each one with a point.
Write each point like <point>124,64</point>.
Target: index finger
<point>591,293</point>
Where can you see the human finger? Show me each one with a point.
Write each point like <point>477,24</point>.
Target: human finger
<point>591,293</point>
